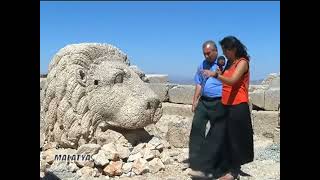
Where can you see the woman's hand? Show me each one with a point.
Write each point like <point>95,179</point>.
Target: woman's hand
<point>218,70</point>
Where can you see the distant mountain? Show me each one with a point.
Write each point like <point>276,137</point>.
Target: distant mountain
<point>256,82</point>
<point>181,80</point>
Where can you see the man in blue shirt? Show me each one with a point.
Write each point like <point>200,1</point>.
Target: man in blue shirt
<point>206,105</point>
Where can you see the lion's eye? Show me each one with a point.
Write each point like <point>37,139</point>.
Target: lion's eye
<point>96,82</point>
<point>82,75</point>
<point>118,79</point>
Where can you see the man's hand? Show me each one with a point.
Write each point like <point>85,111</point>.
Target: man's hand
<point>196,97</point>
<point>208,73</point>
<point>194,105</point>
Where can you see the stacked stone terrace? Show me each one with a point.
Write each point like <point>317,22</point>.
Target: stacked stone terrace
<point>264,102</point>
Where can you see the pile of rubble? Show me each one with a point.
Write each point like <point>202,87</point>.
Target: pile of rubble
<point>114,159</point>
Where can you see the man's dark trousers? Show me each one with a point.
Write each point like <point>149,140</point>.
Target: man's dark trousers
<point>205,151</point>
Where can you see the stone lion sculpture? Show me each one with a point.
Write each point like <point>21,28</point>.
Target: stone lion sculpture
<point>91,85</point>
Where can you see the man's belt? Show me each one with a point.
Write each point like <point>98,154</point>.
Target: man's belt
<point>205,98</point>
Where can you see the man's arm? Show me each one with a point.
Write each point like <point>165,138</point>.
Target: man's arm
<point>198,80</point>
<point>196,97</point>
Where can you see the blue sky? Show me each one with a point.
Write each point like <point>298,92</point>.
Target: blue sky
<point>164,37</point>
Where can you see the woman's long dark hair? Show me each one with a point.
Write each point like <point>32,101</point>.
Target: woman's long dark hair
<point>231,42</point>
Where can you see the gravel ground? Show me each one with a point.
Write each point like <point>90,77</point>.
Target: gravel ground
<point>266,166</point>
